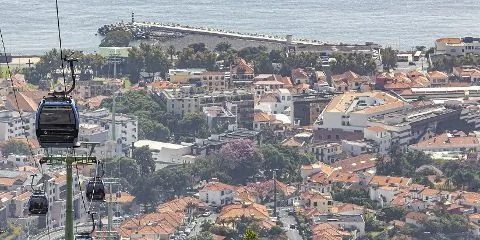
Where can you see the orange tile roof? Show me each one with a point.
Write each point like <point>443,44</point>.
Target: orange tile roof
<point>343,177</point>
<point>355,164</point>
<point>437,75</point>
<point>444,140</point>
<point>313,194</point>
<point>376,129</point>
<point>341,103</point>
<point>389,181</point>
<point>292,142</point>
<point>217,186</point>
<point>7,181</point>
<point>24,196</point>
<point>287,82</point>
<point>178,205</point>
<point>418,216</point>
<point>320,166</point>
<point>125,198</point>
<point>234,211</point>
<point>261,117</point>
<point>327,231</point>
<point>450,40</point>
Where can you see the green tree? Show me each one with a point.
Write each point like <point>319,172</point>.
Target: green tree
<point>391,213</point>
<point>250,235</point>
<point>263,64</point>
<point>192,125</point>
<point>135,63</point>
<point>389,57</point>
<point>198,47</point>
<point>223,47</point>
<point>171,52</point>
<point>155,59</point>
<point>15,147</point>
<point>124,168</point>
<point>202,236</point>
<point>144,159</point>
<point>117,39</point>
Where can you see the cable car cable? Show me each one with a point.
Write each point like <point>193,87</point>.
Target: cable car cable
<point>60,45</point>
<point>15,97</point>
<point>39,166</point>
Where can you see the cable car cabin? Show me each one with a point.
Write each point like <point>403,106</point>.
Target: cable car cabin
<point>38,204</point>
<point>57,122</point>
<point>95,190</point>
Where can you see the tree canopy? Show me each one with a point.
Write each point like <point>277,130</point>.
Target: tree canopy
<point>15,147</point>
<point>117,39</point>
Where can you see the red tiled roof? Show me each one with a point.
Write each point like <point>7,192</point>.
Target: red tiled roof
<point>355,164</point>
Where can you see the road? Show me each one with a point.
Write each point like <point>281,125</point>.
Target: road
<point>198,227</point>
<point>59,233</point>
<point>287,220</point>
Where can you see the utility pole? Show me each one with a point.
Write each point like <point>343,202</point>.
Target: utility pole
<point>110,203</point>
<point>275,192</point>
<point>69,160</point>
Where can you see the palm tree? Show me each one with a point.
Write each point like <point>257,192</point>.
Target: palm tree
<point>171,52</point>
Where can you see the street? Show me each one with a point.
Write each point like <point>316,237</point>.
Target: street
<point>287,220</point>
<point>198,227</point>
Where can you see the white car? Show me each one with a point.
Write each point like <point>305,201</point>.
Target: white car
<point>206,214</point>
<point>188,230</point>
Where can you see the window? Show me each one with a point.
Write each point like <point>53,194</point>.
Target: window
<point>315,204</point>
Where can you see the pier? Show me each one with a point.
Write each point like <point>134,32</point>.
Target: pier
<point>226,34</point>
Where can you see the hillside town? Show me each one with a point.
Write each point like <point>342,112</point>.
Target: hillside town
<point>316,142</point>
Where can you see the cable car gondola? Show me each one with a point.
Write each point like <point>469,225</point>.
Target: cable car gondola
<point>57,122</point>
<point>38,203</point>
<point>95,190</point>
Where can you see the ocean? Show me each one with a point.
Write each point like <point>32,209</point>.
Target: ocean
<point>30,27</point>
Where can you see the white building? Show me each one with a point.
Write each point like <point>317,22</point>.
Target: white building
<point>164,153</point>
<point>351,111</point>
<point>380,136</point>
<point>279,101</point>
<point>217,194</point>
<point>126,127</point>
<point>11,125</point>
<point>457,46</point>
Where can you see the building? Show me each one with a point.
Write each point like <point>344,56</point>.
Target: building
<point>457,46</point>
<point>351,111</point>
<point>215,81</point>
<point>12,126</point>
<point>241,72</point>
<point>343,221</point>
<point>220,117</point>
<point>314,199</point>
<point>307,107</point>
<point>277,102</point>
<point>448,142</point>
<point>325,152</point>
<point>181,101</point>
<point>416,124</point>
<point>216,193</point>
<point>184,76</point>
<point>359,164</point>
<point>126,127</point>
<point>437,78</point>
<point>468,74</point>
<point>164,153</point>
<point>97,87</point>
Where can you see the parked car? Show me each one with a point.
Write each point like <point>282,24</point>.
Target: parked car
<point>206,214</point>
<point>292,226</point>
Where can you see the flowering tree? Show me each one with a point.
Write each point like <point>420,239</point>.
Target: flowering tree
<point>240,158</point>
